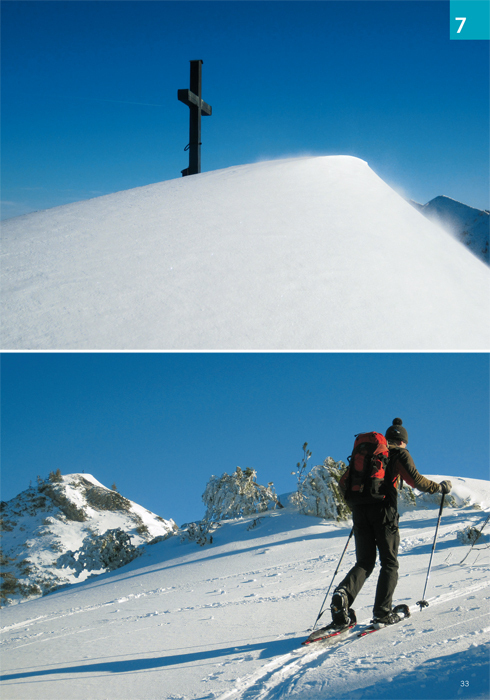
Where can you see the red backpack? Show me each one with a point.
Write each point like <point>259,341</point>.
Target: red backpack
<point>367,465</point>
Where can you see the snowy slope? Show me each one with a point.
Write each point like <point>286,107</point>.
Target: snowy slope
<point>226,621</point>
<point>305,253</point>
<point>469,225</point>
<point>43,522</point>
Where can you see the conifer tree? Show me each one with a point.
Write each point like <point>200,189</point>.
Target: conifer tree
<point>237,494</point>
<point>318,491</point>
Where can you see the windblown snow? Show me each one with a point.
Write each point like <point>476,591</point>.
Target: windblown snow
<point>303,253</point>
<point>225,621</point>
<point>469,225</point>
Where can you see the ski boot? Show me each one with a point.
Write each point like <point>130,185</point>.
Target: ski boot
<point>339,608</point>
<point>399,612</point>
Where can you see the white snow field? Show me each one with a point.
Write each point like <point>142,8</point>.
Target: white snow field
<point>225,622</point>
<point>310,253</point>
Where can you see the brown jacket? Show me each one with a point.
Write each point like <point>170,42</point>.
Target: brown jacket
<point>402,466</point>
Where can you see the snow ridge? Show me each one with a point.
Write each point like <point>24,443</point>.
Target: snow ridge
<point>298,254</point>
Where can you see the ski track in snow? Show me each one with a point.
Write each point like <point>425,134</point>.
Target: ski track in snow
<point>270,681</point>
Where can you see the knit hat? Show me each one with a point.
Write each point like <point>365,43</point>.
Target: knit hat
<point>397,431</point>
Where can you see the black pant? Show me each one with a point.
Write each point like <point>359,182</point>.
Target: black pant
<point>375,526</point>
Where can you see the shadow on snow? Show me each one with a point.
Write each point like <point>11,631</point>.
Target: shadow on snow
<point>267,649</point>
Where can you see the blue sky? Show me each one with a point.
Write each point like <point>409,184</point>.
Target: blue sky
<point>159,425</point>
<point>89,93</point>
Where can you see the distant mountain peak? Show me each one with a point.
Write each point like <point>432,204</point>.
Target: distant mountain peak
<point>467,224</point>
<point>45,522</point>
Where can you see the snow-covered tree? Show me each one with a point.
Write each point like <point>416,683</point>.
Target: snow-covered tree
<point>319,494</point>
<point>108,551</point>
<point>237,494</point>
<point>430,499</point>
<point>406,495</point>
<point>471,535</point>
<point>301,466</point>
<point>200,532</point>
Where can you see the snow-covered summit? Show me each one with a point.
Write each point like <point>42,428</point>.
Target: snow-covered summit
<point>467,224</point>
<point>302,253</point>
<point>49,520</point>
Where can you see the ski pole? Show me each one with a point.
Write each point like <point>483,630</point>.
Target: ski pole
<point>335,574</point>
<point>476,539</point>
<point>423,603</point>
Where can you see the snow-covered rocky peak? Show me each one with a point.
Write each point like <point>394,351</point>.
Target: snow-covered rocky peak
<point>468,225</point>
<point>44,523</point>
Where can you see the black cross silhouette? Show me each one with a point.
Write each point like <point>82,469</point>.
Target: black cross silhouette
<point>192,98</point>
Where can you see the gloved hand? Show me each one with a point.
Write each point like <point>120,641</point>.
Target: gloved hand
<point>445,487</point>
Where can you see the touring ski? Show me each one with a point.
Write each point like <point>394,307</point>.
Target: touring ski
<point>375,626</point>
<point>332,630</point>
<point>328,633</point>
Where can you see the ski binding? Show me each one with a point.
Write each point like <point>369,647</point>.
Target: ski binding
<point>375,626</point>
<point>331,630</point>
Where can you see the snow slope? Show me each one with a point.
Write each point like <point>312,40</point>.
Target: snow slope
<point>225,622</point>
<point>305,253</point>
<point>469,225</point>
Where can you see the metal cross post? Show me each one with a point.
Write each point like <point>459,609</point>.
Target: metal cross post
<point>192,98</point>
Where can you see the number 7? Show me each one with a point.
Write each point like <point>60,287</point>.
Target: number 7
<point>463,20</point>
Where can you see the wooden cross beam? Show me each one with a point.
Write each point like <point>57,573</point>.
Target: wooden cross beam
<point>192,98</point>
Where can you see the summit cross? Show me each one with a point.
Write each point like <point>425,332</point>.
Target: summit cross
<point>192,98</point>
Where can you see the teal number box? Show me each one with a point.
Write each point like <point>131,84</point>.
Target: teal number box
<point>469,19</point>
